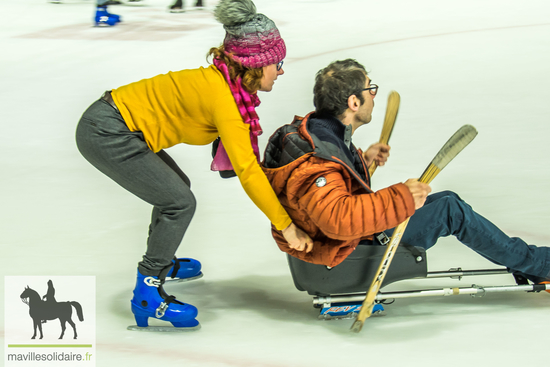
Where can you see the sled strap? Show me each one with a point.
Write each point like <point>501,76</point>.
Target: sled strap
<point>383,238</point>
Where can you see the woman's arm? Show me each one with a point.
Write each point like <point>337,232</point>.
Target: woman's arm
<point>235,136</point>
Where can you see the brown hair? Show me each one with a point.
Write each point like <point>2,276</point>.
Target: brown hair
<point>335,84</point>
<point>251,78</point>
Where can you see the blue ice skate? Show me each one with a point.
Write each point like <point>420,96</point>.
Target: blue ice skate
<point>105,19</point>
<point>150,300</point>
<point>184,269</point>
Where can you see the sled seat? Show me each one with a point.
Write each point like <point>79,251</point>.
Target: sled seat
<point>356,272</point>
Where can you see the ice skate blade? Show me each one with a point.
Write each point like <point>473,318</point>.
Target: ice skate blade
<point>179,280</point>
<point>163,329</point>
<point>191,10</point>
<point>325,317</point>
<point>200,8</point>
<point>351,315</point>
<point>105,25</point>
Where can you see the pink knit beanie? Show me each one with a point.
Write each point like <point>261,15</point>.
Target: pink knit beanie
<point>252,38</point>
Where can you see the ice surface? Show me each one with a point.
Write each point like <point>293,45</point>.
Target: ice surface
<point>453,62</point>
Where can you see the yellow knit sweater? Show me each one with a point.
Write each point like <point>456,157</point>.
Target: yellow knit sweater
<point>195,107</point>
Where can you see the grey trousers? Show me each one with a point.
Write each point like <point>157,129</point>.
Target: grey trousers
<point>106,142</point>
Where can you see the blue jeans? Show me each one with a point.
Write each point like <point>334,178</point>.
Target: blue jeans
<point>445,213</point>
<point>106,142</point>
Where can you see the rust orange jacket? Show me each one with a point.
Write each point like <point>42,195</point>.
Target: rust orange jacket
<point>323,193</point>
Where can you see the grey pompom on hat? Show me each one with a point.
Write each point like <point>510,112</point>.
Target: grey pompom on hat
<point>251,38</point>
<point>232,12</point>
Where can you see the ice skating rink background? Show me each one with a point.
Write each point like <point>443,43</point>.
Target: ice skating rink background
<point>481,62</point>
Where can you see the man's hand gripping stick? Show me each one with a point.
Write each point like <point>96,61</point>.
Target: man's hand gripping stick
<point>392,109</point>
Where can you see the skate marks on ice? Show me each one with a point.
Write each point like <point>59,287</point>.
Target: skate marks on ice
<point>405,39</point>
<point>139,24</point>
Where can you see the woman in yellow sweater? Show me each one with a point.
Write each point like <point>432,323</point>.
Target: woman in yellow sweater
<point>123,134</point>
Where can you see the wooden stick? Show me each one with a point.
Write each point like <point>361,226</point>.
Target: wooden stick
<point>389,120</point>
<point>454,145</point>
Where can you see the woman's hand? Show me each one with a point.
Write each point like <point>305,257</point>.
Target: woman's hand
<point>297,239</point>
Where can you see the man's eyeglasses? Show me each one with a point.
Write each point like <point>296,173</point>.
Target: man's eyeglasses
<point>280,65</point>
<point>373,89</point>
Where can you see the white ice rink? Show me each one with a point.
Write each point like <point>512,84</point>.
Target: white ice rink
<point>481,62</point>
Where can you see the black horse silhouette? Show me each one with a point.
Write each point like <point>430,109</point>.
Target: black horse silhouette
<point>50,309</point>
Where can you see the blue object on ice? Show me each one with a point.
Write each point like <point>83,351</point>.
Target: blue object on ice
<point>150,300</point>
<point>104,18</point>
<point>341,310</point>
<point>184,269</point>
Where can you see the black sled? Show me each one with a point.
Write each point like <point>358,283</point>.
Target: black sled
<point>340,291</point>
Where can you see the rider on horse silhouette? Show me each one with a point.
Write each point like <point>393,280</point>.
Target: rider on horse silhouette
<point>50,309</point>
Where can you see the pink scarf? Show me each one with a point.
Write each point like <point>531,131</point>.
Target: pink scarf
<point>247,104</point>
